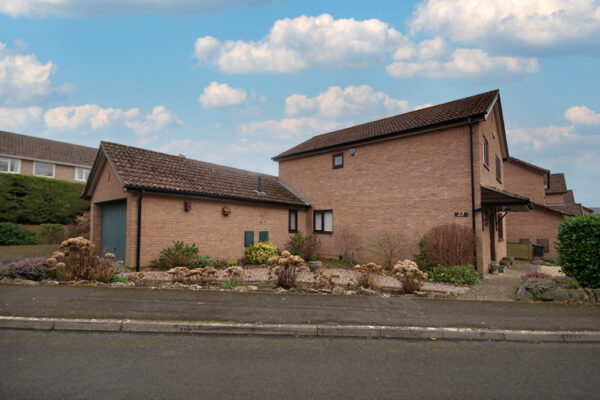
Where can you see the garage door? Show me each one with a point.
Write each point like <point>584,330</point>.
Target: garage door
<point>114,228</point>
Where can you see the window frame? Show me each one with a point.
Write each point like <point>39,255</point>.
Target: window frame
<point>500,229</point>
<point>293,212</point>
<point>498,169</point>
<point>486,152</point>
<point>9,160</point>
<point>333,156</point>
<point>77,169</point>
<point>322,217</point>
<point>44,176</point>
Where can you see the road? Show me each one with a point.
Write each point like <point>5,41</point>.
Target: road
<point>58,365</point>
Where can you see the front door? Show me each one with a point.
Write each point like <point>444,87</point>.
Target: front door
<point>492,226</point>
<point>114,228</point>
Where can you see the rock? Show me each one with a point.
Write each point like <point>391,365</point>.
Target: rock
<point>559,294</point>
<point>350,292</point>
<point>252,288</point>
<point>130,284</point>
<point>50,282</point>
<point>195,287</point>
<point>523,294</point>
<point>579,295</point>
<point>17,281</point>
<point>420,294</point>
<point>101,284</point>
<point>338,290</point>
<point>240,289</point>
<point>179,285</point>
<point>165,285</point>
<point>28,282</point>
<point>591,295</point>
<point>387,295</point>
<point>366,291</point>
<point>280,290</point>
<point>539,285</point>
<point>311,290</point>
<point>325,291</point>
<point>6,279</point>
<point>117,284</point>
<point>315,265</point>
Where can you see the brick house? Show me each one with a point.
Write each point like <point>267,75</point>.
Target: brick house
<point>403,174</point>
<point>559,197</point>
<point>28,155</point>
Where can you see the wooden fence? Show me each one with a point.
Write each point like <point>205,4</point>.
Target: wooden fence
<point>522,251</point>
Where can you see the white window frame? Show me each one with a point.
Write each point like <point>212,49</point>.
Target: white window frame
<point>77,169</point>
<point>8,160</point>
<point>45,176</point>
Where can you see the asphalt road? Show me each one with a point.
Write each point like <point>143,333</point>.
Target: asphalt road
<point>56,365</point>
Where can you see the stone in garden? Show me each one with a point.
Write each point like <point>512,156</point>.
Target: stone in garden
<point>325,291</point>
<point>350,292</point>
<point>311,290</point>
<point>523,294</point>
<point>560,294</point>
<point>315,265</point>
<point>130,284</point>
<point>420,294</point>
<point>280,290</point>
<point>579,295</point>
<point>252,288</point>
<point>240,289</point>
<point>338,290</point>
<point>28,282</point>
<point>366,291</point>
<point>179,285</point>
<point>6,279</point>
<point>50,282</point>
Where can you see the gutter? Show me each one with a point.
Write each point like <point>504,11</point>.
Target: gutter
<point>139,231</point>
<point>472,188</point>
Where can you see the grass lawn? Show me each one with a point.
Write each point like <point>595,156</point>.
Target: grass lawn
<point>14,253</point>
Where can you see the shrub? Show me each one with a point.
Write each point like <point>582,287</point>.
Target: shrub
<point>202,276</point>
<point>179,255</point>
<point>388,246</point>
<point>424,262</point>
<point>12,234</point>
<point>261,252</point>
<point>117,278</point>
<point>535,275</point>
<point>205,261</point>
<point>304,246</point>
<point>231,283</point>
<point>367,275</point>
<point>220,263</point>
<point>409,274</point>
<point>51,233</point>
<point>324,280</point>
<point>80,226</point>
<point>449,245</point>
<point>349,243</point>
<point>78,259</point>
<point>284,269</point>
<point>578,249</point>
<point>33,200</point>
<point>34,269</point>
<point>458,275</point>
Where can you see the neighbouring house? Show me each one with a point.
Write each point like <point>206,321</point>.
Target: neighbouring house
<point>28,155</point>
<point>561,198</point>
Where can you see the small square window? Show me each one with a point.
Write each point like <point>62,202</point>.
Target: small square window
<point>10,165</point>
<point>338,160</point>
<point>43,169</point>
<point>323,221</point>
<point>81,174</point>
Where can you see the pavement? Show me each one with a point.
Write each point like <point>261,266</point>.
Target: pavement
<point>225,312</point>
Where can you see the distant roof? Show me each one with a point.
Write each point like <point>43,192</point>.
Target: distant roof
<point>529,165</point>
<point>570,209</point>
<point>557,184</point>
<point>596,210</point>
<point>152,171</point>
<point>30,147</point>
<point>453,111</point>
<point>569,197</point>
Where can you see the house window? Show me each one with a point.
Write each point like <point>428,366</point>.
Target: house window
<point>81,174</point>
<point>500,228</point>
<point>323,221</point>
<point>43,169</point>
<point>498,170</point>
<point>293,221</point>
<point>338,160</point>
<point>486,156</point>
<point>10,165</point>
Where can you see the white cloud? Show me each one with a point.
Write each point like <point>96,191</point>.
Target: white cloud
<point>534,23</point>
<point>72,8</point>
<point>541,136</point>
<point>302,42</point>
<point>15,118</point>
<point>159,119</point>
<point>582,115</point>
<point>288,128</point>
<point>24,79</point>
<point>351,100</point>
<point>89,115</point>
<point>221,95</point>
<point>461,63</point>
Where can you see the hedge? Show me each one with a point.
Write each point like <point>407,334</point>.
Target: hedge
<point>579,249</point>
<point>33,200</point>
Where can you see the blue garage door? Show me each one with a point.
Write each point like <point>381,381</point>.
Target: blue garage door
<point>114,228</point>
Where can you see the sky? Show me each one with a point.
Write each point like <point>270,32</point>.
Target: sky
<point>236,82</point>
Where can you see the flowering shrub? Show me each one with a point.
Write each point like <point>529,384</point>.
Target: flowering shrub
<point>409,274</point>
<point>77,259</point>
<point>261,252</point>
<point>367,275</point>
<point>284,270</point>
<point>458,275</point>
<point>34,269</point>
<point>180,255</point>
<point>323,280</point>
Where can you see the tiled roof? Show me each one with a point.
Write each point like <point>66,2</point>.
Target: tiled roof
<point>557,184</point>
<point>13,144</point>
<point>570,209</point>
<point>453,111</point>
<point>569,197</point>
<point>153,171</point>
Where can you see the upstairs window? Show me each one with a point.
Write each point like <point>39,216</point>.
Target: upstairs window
<point>10,165</point>
<point>81,174</point>
<point>323,221</point>
<point>293,221</point>
<point>486,155</point>
<point>498,170</point>
<point>338,160</point>
<point>43,169</point>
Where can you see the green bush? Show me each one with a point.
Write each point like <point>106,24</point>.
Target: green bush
<point>13,234</point>
<point>303,246</point>
<point>33,200</point>
<point>179,255</point>
<point>579,249</point>
<point>51,233</point>
<point>458,275</point>
<point>260,252</point>
<point>424,262</point>
<point>205,261</point>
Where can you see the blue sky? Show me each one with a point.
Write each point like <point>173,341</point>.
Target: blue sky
<point>238,81</point>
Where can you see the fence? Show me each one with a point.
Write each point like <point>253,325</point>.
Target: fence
<point>522,251</point>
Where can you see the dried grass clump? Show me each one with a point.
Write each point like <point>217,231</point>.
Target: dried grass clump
<point>409,275</point>
<point>178,274</point>
<point>236,273</point>
<point>324,280</point>
<point>202,276</point>
<point>78,259</point>
<point>367,275</point>
<point>284,269</point>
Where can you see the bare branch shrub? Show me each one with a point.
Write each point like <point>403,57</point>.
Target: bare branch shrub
<point>348,242</point>
<point>388,246</point>
<point>324,280</point>
<point>77,258</point>
<point>284,269</point>
<point>449,245</point>
<point>409,275</point>
<point>367,275</point>
<point>303,246</point>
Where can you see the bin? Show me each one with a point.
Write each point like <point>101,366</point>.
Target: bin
<point>538,250</point>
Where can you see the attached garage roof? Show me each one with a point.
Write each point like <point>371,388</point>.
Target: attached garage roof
<point>139,169</point>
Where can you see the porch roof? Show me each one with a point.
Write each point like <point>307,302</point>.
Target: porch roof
<point>506,201</point>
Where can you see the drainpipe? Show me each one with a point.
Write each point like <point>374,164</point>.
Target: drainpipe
<point>139,231</point>
<point>472,191</point>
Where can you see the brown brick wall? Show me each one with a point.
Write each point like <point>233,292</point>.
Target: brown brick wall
<point>406,185</point>
<point>555,198</point>
<point>537,224</point>
<point>525,182</point>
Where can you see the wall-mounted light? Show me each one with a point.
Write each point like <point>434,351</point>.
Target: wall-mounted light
<point>226,210</point>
